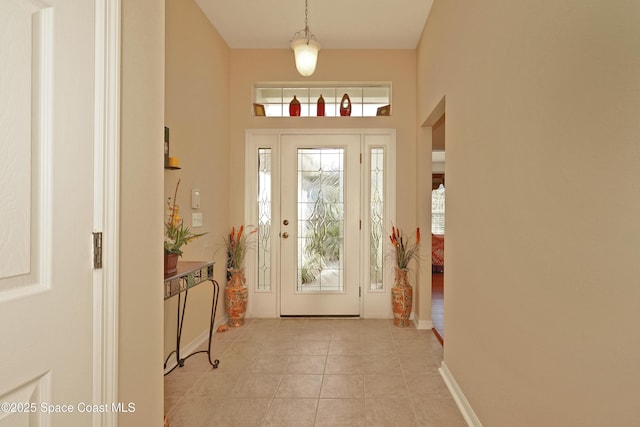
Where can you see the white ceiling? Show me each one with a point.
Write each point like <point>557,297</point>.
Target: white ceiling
<point>337,24</point>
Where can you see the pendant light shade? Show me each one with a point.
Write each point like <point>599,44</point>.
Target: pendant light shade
<point>306,55</point>
<point>305,47</point>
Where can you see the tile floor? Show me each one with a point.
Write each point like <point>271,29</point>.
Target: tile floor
<point>314,372</point>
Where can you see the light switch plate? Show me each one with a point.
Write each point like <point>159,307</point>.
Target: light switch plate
<point>195,198</point>
<point>196,219</point>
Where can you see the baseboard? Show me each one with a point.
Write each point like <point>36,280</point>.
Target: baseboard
<point>194,345</point>
<point>463,404</point>
<point>421,324</point>
<point>424,324</point>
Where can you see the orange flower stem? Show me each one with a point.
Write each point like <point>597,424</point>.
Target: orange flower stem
<point>173,208</point>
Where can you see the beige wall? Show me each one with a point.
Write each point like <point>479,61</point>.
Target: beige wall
<point>197,114</point>
<point>140,287</point>
<point>542,277</point>
<point>396,66</point>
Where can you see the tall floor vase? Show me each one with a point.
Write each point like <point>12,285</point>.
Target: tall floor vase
<point>401,299</point>
<point>235,297</point>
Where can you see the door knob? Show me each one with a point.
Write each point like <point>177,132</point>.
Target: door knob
<point>285,235</point>
<point>285,222</point>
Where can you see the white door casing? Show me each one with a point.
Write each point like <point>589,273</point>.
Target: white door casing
<point>58,119</point>
<point>263,265</point>
<point>341,155</point>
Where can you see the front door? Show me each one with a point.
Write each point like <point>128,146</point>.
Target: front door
<point>319,228</point>
<point>47,64</point>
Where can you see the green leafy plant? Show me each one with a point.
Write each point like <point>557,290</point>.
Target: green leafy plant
<point>176,233</point>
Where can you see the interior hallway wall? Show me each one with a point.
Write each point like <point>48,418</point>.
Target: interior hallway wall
<point>543,200</point>
<point>140,274</point>
<point>197,114</point>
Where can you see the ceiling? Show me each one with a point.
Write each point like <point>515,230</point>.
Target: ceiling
<point>337,24</point>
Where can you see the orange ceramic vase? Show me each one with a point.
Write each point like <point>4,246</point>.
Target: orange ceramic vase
<point>235,297</point>
<point>401,299</point>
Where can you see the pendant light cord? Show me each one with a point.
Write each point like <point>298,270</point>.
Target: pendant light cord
<point>306,19</point>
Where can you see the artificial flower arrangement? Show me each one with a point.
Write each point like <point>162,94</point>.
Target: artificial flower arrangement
<point>403,248</point>
<point>177,234</point>
<point>237,244</point>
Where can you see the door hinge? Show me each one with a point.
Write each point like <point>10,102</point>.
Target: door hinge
<point>360,224</point>
<point>360,158</point>
<point>97,250</point>
<point>360,292</point>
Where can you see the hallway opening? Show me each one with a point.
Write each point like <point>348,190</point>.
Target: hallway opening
<point>438,226</point>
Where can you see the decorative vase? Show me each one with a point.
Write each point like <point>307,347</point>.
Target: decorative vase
<point>401,299</point>
<point>294,107</point>
<point>320,110</point>
<point>170,264</point>
<point>345,105</point>
<point>235,297</point>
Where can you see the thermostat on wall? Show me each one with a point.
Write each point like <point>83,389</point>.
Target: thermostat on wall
<point>195,198</point>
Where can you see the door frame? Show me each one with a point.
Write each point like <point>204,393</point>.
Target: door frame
<point>106,205</point>
<point>266,303</point>
<point>293,300</point>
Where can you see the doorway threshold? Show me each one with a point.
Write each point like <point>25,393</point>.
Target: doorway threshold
<point>321,316</point>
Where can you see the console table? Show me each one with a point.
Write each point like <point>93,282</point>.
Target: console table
<point>190,274</point>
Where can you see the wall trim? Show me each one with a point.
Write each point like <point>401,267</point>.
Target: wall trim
<point>423,324</point>
<point>106,207</point>
<point>463,404</point>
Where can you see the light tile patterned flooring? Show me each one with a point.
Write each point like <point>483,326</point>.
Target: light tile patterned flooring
<point>314,372</point>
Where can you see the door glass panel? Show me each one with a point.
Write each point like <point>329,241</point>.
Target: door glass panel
<point>376,216</point>
<point>264,219</point>
<point>320,220</point>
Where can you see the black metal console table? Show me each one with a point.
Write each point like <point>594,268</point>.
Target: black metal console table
<point>190,274</point>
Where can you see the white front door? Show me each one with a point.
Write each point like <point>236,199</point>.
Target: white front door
<point>324,202</point>
<point>319,227</point>
<point>47,64</point>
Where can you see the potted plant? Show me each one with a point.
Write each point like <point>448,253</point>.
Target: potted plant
<point>404,251</point>
<point>235,293</point>
<point>176,235</point>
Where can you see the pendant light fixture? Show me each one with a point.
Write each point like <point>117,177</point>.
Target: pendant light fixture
<point>305,47</point>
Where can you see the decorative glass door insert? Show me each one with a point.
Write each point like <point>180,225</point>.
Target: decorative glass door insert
<point>320,227</point>
<point>320,219</point>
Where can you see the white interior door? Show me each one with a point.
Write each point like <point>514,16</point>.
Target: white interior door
<point>319,227</point>
<point>46,211</point>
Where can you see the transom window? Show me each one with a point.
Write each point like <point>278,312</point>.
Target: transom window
<point>367,100</point>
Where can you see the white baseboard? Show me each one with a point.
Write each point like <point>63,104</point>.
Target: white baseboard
<point>424,324</point>
<point>421,324</point>
<point>463,404</point>
<point>193,345</point>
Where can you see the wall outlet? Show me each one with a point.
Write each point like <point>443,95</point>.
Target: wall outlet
<point>196,219</point>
